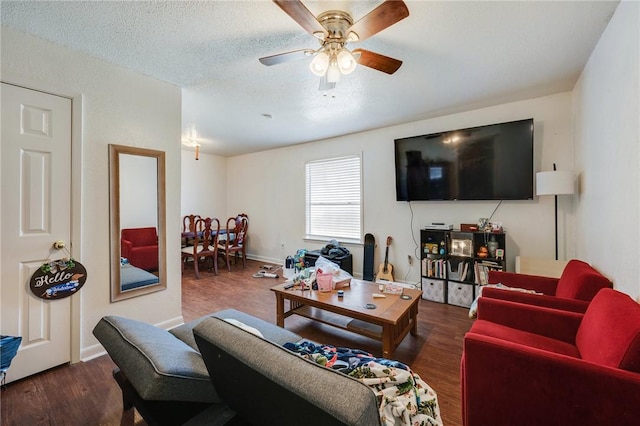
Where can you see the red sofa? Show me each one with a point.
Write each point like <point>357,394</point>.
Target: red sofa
<point>530,365</point>
<point>140,246</point>
<point>573,291</point>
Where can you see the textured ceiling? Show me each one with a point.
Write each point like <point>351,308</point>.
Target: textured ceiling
<point>457,56</point>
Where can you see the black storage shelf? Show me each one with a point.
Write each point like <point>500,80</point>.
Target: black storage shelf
<point>455,263</point>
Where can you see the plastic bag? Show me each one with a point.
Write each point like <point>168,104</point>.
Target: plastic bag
<point>340,278</point>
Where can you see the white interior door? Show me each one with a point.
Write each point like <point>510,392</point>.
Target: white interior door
<point>36,211</point>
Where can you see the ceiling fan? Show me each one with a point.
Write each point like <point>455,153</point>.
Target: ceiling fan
<point>334,29</point>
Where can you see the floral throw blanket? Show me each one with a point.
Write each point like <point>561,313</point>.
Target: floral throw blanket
<point>403,397</point>
<point>473,310</point>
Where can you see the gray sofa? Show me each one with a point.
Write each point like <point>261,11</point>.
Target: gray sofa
<point>240,378</point>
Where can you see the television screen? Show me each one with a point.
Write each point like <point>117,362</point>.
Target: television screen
<point>493,162</point>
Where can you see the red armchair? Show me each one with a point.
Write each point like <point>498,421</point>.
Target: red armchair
<point>573,291</point>
<point>530,365</point>
<point>140,246</point>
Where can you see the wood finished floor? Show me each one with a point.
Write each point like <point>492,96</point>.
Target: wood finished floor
<point>86,394</point>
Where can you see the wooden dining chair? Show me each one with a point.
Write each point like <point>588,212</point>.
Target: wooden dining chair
<point>190,226</point>
<point>205,245</point>
<point>234,242</point>
<point>238,220</point>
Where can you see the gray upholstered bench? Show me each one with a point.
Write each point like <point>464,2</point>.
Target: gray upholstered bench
<point>162,373</point>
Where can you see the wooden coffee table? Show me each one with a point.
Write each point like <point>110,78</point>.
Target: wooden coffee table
<point>389,322</point>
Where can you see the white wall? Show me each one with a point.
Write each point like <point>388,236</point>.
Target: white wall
<point>204,185</point>
<point>271,189</point>
<point>121,107</point>
<point>607,141</point>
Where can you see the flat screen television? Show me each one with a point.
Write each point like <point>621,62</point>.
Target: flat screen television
<point>493,162</point>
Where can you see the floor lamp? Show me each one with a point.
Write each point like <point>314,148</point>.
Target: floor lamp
<point>555,183</point>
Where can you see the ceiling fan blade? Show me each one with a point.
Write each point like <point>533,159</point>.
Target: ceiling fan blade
<point>299,12</point>
<point>280,58</point>
<point>377,61</point>
<point>383,16</point>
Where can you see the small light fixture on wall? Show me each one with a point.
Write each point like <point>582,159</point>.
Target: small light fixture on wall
<point>192,143</point>
<point>555,183</point>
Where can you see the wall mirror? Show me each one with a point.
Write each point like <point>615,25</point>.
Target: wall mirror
<point>137,221</point>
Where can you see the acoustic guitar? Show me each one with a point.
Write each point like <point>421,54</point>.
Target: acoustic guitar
<point>385,271</point>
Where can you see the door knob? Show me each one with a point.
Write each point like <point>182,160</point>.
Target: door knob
<point>59,245</point>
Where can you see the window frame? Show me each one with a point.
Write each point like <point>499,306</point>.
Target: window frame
<point>341,238</point>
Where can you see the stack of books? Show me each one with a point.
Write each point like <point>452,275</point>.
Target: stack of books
<point>482,268</point>
<point>434,268</point>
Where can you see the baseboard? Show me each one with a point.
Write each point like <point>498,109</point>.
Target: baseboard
<point>265,259</point>
<point>91,352</point>
<point>171,323</point>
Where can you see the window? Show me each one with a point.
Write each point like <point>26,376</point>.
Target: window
<point>334,199</point>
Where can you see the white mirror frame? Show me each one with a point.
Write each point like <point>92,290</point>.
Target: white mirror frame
<point>117,293</point>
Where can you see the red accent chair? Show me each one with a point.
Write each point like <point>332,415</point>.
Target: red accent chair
<point>140,246</point>
<point>573,291</point>
<point>530,365</point>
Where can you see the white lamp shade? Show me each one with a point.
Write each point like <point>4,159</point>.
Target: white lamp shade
<point>319,64</point>
<point>346,62</point>
<point>555,183</point>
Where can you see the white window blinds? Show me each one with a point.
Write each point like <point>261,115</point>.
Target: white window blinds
<point>334,199</point>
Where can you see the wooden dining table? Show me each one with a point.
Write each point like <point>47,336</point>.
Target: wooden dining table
<point>190,235</point>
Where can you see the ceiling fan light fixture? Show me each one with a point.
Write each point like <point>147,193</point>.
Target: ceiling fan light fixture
<point>319,64</point>
<point>346,62</point>
<point>335,29</point>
